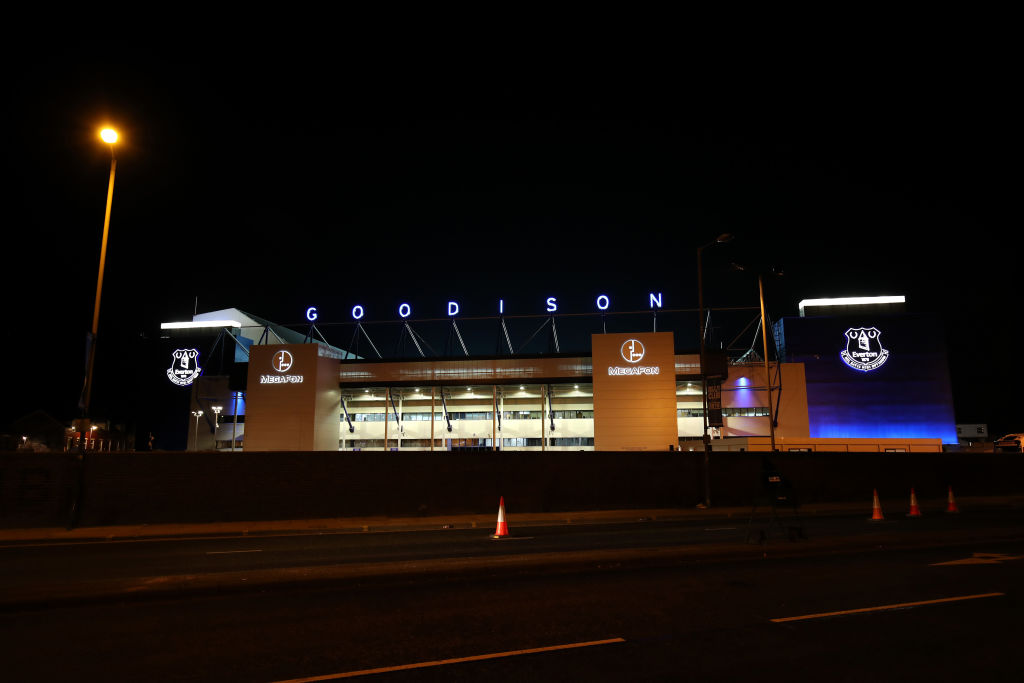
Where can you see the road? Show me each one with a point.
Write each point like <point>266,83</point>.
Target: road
<point>691,615</point>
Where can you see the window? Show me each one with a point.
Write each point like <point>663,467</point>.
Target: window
<point>572,414</point>
<point>573,441</point>
<point>421,443</point>
<point>726,412</point>
<point>520,442</point>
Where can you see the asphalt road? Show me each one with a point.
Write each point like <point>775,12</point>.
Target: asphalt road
<point>700,621</point>
<point>47,571</point>
<point>704,611</point>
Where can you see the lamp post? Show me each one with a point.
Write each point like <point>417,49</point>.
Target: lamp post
<point>109,136</point>
<point>721,239</point>
<point>234,422</point>
<point>195,433</point>
<point>216,420</point>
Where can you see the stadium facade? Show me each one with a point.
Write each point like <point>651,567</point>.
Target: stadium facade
<point>854,374</point>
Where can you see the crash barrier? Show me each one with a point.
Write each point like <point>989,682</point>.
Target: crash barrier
<point>167,487</point>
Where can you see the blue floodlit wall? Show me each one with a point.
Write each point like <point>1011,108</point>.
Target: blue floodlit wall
<point>908,396</point>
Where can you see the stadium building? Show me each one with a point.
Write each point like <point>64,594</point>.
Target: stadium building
<point>846,374</point>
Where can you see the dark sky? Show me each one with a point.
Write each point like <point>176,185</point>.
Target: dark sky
<point>271,182</point>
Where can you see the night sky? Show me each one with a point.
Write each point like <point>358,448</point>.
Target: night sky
<point>270,183</point>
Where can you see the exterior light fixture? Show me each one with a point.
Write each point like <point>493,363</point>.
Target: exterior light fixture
<point>195,436</point>
<point>109,136</point>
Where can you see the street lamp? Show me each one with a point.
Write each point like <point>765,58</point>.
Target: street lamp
<point>721,239</point>
<point>216,419</point>
<point>195,434</point>
<point>109,136</point>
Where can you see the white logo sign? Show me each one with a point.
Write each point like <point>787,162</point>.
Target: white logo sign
<point>282,361</point>
<point>632,351</point>
<point>863,350</point>
<point>184,369</point>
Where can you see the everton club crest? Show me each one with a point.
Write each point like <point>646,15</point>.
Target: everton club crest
<point>184,370</point>
<point>864,351</point>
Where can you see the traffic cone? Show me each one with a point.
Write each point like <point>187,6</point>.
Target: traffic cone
<point>876,509</point>
<point>915,511</point>
<point>501,531</point>
<point>951,505</point>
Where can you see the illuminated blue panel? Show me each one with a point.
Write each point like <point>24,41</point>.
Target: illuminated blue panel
<point>230,407</point>
<point>908,397</point>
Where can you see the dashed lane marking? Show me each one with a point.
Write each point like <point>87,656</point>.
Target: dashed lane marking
<point>231,552</point>
<point>457,660</point>
<point>882,608</point>
<point>980,558</point>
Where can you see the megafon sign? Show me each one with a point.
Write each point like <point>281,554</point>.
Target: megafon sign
<point>634,391</point>
<point>282,362</point>
<point>633,351</point>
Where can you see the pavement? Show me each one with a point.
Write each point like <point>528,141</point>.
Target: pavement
<point>371,524</point>
<point>509,562</point>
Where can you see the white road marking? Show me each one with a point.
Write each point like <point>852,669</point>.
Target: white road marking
<point>980,558</point>
<point>882,608</point>
<point>231,552</point>
<point>457,660</point>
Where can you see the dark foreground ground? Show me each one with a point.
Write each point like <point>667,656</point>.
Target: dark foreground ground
<point>613,600</point>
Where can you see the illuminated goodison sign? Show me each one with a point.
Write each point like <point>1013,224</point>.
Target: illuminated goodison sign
<point>602,303</point>
<point>633,351</point>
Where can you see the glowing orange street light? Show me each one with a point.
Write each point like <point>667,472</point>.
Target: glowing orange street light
<point>109,136</point>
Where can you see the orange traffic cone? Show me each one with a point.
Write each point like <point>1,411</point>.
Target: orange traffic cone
<point>915,511</point>
<point>951,505</point>
<point>876,510</point>
<point>501,531</point>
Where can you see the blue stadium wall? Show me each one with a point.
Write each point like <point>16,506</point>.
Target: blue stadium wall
<point>908,396</point>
